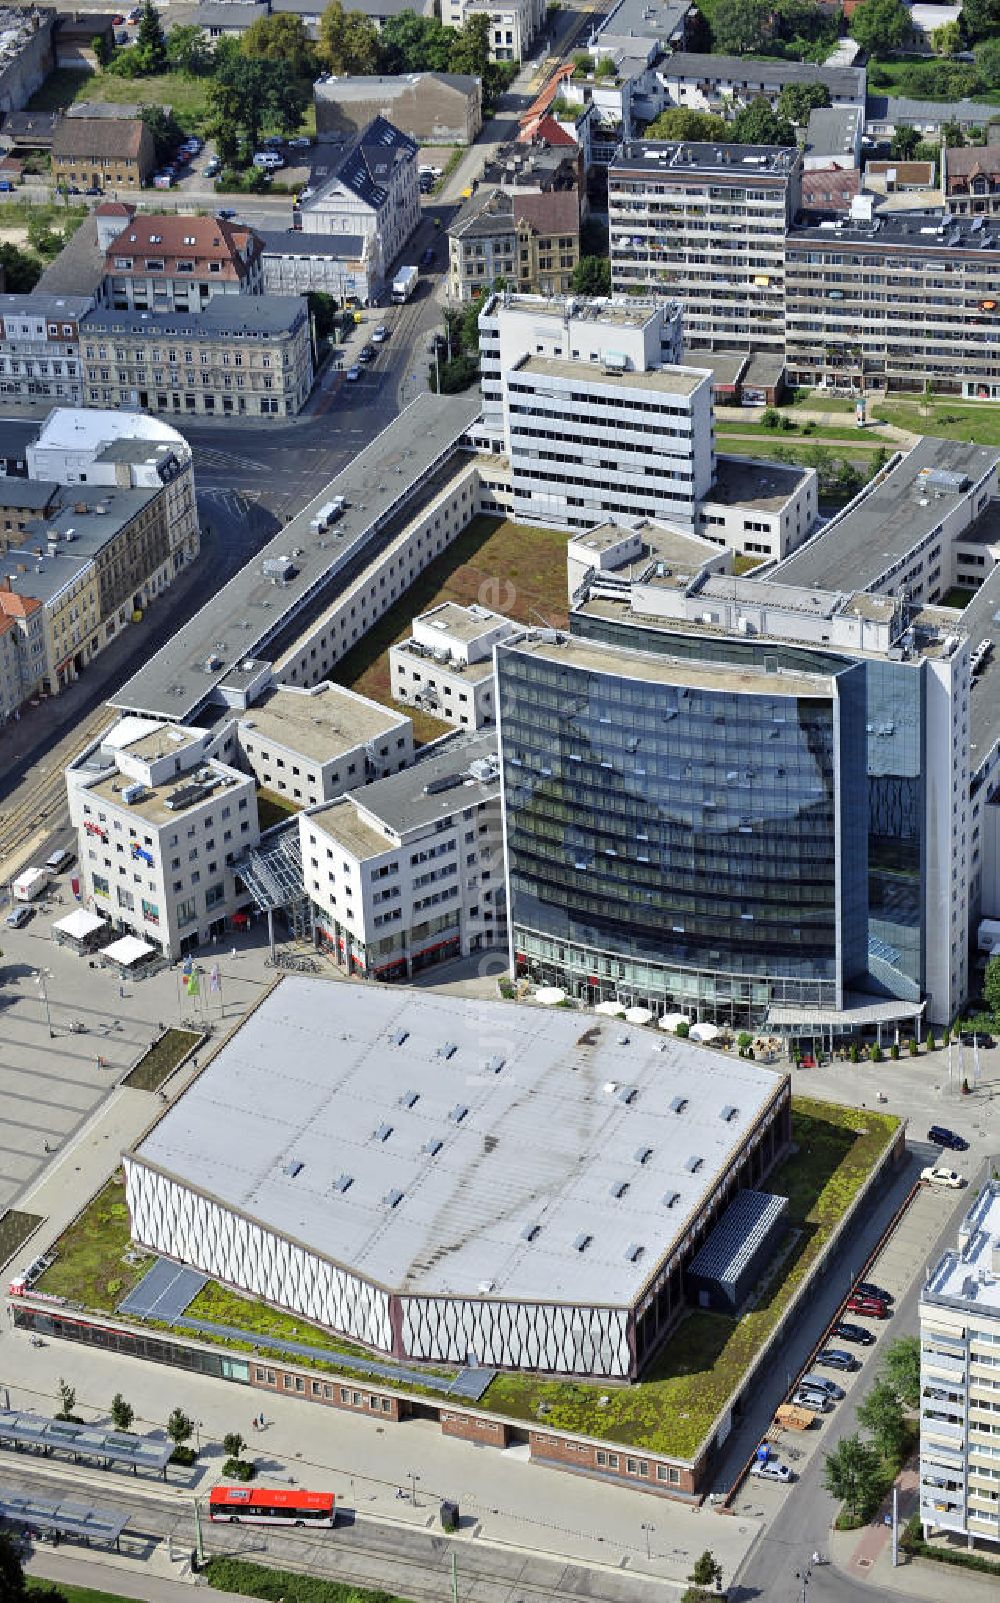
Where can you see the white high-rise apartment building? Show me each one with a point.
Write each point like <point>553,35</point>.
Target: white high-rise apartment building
<point>706,223</point>
<point>587,401</point>
<point>960,1380</point>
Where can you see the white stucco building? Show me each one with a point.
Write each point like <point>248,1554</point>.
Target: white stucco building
<point>446,665</point>
<point>372,194</point>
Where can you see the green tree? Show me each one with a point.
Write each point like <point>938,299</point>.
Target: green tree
<point>947,40</point>
<point>67,1399</point>
<point>904,144</point>
<point>166,130</point>
<point>246,95</point>
<point>881,1413</point>
<point>988,63</point>
<point>13,1585</point>
<point>122,1413</point>
<point>680,122</point>
<point>706,1571</point>
<point>880,26</point>
<point>471,51</point>
<point>757,124</point>
<point>282,37</point>
<point>180,1428</point>
<point>348,41</point>
<point>408,43</point>
<point>151,42</point>
<point>952,135</point>
<point>103,50</point>
<point>797,100</point>
<point>188,51</point>
<point>233,1444</point>
<point>21,270</point>
<point>979,18</point>
<point>991,986</point>
<point>606,68</point>
<point>592,276</point>
<point>902,1369</point>
<point>324,312</point>
<point>853,1473</point>
<point>739,25</point>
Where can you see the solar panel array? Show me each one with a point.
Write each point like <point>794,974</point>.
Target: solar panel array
<point>742,1230</point>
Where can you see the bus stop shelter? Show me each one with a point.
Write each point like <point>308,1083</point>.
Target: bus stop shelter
<point>109,1447</point>
<point>58,1517</point>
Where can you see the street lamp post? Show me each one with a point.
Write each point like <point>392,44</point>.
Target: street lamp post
<point>40,982</point>
<point>197,1432</point>
<point>414,1477</point>
<point>648,1530</point>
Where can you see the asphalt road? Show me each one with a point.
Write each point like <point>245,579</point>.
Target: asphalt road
<point>802,1524</point>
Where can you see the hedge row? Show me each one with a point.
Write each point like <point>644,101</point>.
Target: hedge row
<point>255,1580</point>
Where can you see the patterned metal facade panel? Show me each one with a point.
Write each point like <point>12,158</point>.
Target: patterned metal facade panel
<point>561,1338</point>
<point>170,1218</point>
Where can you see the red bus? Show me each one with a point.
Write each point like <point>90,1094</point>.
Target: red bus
<point>264,1505</point>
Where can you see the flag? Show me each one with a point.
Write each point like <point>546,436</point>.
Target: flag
<point>187,966</point>
<point>193,984</point>
<point>215,978</point>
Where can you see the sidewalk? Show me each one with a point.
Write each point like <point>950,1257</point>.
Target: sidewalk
<point>866,1557</point>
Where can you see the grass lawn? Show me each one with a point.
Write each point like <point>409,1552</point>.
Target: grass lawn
<point>895,71</point>
<point>819,401</point>
<point>161,1060</point>
<point>799,450</point>
<point>745,564</point>
<point>75,1594</point>
<point>225,1307</point>
<point>15,1228</point>
<point>675,1405</point>
<point>91,1266</point>
<point>187,96</point>
<point>820,434</point>
<point>515,569</point>
<point>947,418</point>
<point>957,598</point>
<point>273,809</point>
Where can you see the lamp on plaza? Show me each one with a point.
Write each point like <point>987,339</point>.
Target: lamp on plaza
<point>414,1477</point>
<point>40,978</point>
<point>649,1529</point>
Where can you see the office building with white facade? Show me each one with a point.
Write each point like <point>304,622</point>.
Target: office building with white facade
<point>446,665</point>
<point>705,224</point>
<point>160,822</point>
<point>408,872</point>
<point>309,745</point>
<point>514,24</point>
<point>960,1381</point>
<point>449,1180</point>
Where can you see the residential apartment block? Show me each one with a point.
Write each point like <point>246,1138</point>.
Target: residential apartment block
<point>408,872</point>
<point>40,348</point>
<point>719,83</point>
<point>164,263</point>
<point>960,1380</point>
<point>435,108</point>
<point>102,153</point>
<point>706,224</point>
<point>239,354</point>
<point>971,180</point>
<point>23,657</point>
<point>895,302</point>
<point>513,26</point>
<point>530,238</point>
<point>311,745</point>
<point>446,665</point>
<point>373,192</point>
<point>161,822</point>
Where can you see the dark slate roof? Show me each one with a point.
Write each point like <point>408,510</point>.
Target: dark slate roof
<point>368,161</point>
<point>291,242</point>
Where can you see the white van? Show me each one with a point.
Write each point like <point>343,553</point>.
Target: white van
<point>269,160</point>
<point>57,859</point>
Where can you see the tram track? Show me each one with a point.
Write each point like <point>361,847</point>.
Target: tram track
<point>362,1550</point>
<point>39,801</point>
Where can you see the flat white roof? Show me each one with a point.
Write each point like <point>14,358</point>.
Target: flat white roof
<point>79,924</point>
<point>80,428</point>
<point>128,950</point>
<point>970,1277</point>
<point>444,1146</point>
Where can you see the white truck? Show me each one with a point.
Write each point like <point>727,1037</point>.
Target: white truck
<point>404,283</point>
<point>989,935</point>
<point>30,884</point>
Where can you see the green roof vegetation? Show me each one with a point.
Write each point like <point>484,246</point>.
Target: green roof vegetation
<point>91,1265</point>
<point>672,1409</point>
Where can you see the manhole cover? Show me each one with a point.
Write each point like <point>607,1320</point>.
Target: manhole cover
<point>864,1563</point>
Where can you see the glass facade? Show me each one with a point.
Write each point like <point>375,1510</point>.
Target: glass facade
<point>674,844</point>
<point>894,728</point>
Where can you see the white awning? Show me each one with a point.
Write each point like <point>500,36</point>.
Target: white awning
<point>79,924</point>
<point>639,1015</point>
<point>550,996</point>
<point>610,1010</point>
<point>670,1021</point>
<point>704,1032</point>
<point>127,951</point>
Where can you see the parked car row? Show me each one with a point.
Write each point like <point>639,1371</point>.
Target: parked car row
<point>178,164</point>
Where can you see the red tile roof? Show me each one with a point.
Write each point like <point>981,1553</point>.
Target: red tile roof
<point>170,238</point>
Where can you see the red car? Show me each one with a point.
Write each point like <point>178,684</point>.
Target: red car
<point>874,1307</point>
